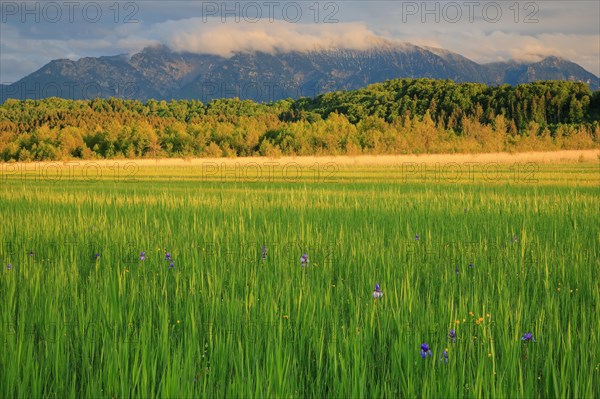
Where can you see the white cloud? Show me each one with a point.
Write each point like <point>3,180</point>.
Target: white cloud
<point>213,37</point>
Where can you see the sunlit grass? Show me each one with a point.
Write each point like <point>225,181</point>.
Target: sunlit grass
<point>222,322</point>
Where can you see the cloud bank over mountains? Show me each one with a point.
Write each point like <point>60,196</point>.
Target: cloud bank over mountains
<point>269,37</point>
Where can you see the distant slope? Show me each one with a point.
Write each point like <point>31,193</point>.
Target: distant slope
<point>551,68</point>
<point>160,73</point>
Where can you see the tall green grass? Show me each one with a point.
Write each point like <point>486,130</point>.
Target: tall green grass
<point>224,323</point>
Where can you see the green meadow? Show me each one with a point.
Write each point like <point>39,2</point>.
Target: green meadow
<point>491,253</point>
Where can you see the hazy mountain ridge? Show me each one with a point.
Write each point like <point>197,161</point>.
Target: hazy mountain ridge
<point>160,73</point>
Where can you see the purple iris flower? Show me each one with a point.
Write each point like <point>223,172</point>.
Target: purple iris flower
<point>445,355</point>
<point>264,253</point>
<point>425,350</point>
<point>304,260</point>
<point>471,265</point>
<point>171,265</point>
<point>528,337</point>
<point>143,255</point>
<point>377,293</point>
<point>417,238</point>
<point>457,271</point>
<point>97,256</point>
<point>168,256</point>
<point>9,266</point>
<point>452,335</point>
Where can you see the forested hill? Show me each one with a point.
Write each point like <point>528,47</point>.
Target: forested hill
<point>397,116</point>
<point>547,103</point>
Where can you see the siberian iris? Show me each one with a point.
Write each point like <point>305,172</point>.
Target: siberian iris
<point>304,260</point>
<point>452,335</point>
<point>377,293</point>
<point>425,350</point>
<point>528,337</point>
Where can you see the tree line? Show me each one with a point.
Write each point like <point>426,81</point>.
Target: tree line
<point>394,117</point>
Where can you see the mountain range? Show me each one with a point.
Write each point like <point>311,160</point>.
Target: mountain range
<point>160,73</point>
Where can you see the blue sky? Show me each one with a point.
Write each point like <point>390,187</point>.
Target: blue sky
<point>34,33</point>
